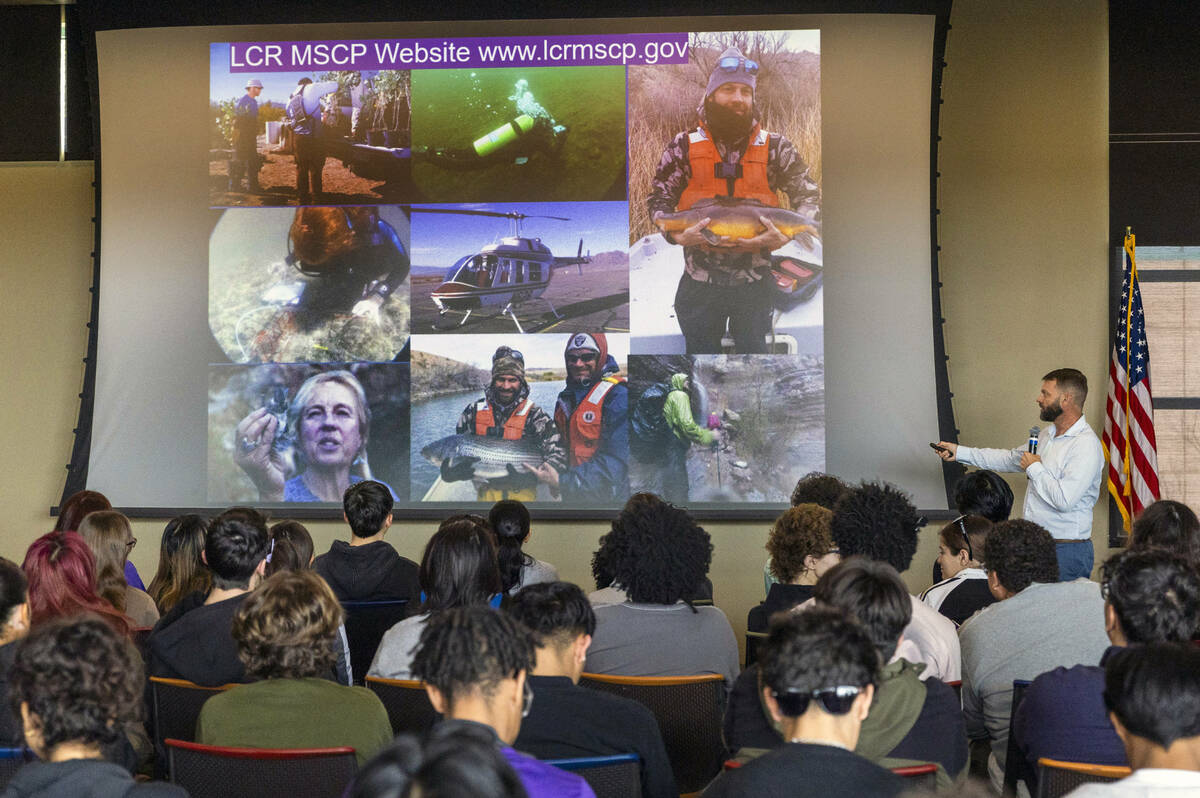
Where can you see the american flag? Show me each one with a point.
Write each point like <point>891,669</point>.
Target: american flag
<point>1129,446</point>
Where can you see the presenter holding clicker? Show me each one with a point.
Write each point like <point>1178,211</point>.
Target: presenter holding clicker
<point>1064,470</point>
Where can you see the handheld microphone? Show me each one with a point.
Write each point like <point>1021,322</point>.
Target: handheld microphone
<point>1033,439</point>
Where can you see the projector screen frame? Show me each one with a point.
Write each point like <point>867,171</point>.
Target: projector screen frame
<point>100,15</point>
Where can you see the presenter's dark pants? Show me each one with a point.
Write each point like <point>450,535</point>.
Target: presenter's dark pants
<point>703,308</point>
<point>674,472</point>
<point>1075,559</point>
<point>310,161</point>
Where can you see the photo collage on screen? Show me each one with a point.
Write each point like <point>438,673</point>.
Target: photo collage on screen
<point>558,284</point>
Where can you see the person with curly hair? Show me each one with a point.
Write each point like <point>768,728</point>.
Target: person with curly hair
<point>474,663</point>
<point>802,550</point>
<point>76,683</point>
<point>14,626</point>
<point>1151,596</point>
<point>181,571</point>
<point>1037,624</point>
<point>659,556</point>
<point>964,589</point>
<point>818,488</point>
<point>287,637</point>
<point>110,537</point>
<point>458,569</point>
<point>878,521</point>
<point>1168,525</point>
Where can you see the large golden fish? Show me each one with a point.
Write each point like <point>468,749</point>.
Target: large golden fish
<point>736,220</point>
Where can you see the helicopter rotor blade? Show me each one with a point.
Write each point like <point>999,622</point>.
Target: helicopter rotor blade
<point>495,214</point>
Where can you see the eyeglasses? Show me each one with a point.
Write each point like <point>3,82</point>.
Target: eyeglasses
<point>834,700</point>
<point>508,351</point>
<point>528,700</point>
<point>586,357</point>
<point>730,63</point>
<point>131,543</point>
<point>962,527</point>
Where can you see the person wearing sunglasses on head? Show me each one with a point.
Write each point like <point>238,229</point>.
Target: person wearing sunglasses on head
<point>729,158</point>
<point>819,670</point>
<point>591,414</point>
<point>506,412</point>
<point>964,590</point>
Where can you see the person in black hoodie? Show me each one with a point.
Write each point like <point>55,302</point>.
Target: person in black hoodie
<point>367,568</point>
<point>14,625</point>
<point>76,684</point>
<point>194,641</point>
<point>802,550</point>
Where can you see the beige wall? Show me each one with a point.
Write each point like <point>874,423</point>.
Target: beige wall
<point>1023,231</point>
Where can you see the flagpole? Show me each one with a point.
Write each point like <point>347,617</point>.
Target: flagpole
<point>1130,249</point>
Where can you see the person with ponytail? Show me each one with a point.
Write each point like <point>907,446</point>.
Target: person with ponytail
<point>110,537</point>
<point>62,582</point>
<point>509,520</point>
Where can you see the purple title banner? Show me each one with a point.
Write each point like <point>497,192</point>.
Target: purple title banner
<point>358,54</point>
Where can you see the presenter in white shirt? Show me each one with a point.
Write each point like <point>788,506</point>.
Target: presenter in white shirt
<point>1064,473</point>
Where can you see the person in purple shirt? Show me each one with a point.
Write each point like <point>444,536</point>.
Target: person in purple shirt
<point>474,662</point>
<point>1151,596</point>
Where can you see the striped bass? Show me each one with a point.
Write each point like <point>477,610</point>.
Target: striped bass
<point>735,220</point>
<point>494,454</point>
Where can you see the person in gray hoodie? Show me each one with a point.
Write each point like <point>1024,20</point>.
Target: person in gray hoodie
<point>76,683</point>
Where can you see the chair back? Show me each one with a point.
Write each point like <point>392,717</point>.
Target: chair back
<point>366,622</point>
<point>688,710</point>
<point>176,706</point>
<point>616,776</point>
<point>205,770</point>
<point>1057,778</point>
<point>12,760</point>
<point>406,703</point>
<point>1015,768</point>
<point>919,777</point>
<point>753,641</point>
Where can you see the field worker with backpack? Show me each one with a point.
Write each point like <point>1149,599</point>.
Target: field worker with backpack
<point>304,113</point>
<point>677,413</point>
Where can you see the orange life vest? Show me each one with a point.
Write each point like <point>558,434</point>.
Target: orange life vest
<point>514,425</point>
<point>583,427</point>
<point>703,157</point>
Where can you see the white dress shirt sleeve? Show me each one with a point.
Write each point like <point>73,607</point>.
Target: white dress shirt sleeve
<point>993,459</point>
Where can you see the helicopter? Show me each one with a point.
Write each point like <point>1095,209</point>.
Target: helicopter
<point>506,273</point>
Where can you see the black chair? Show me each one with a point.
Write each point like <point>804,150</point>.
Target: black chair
<point>1057,778</point>
<point>12,760</point>
<point>366,622</point>
<point>1015,768</point>
<point>616,776</point>
<point>753,641</point>
<point>213,770</point>
<point>688,710</point>
<point>919,777</point>
<point>406,702</point>
<point>176,705</point>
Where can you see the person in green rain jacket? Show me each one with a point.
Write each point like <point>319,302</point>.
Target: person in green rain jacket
<point>677,411</point>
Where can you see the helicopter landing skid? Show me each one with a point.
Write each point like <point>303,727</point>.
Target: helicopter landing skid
<point>437,325</point>
<point>511,313</point>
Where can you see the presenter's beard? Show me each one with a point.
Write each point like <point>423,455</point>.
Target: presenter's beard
<point>727,125</point>
<point>1051,412</point>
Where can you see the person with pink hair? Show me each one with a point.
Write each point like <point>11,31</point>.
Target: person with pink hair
<point>62,581</point>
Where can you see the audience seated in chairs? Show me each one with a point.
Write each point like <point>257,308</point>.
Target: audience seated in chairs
<point>911,721</point>
<point>963,590</point>
<point>474,662</point>
<point>819,670</point>
<point>14,625</point>
<point>193,641</point>
<point>458,569</point>
<point>1168,525</point>
<point>110,537</point>
<point>77,683</point>
<point>659,556</point>
<point>181,571</point>
<point>1153,697</point>
<point>802,549</point>
<point>458,759</point>
<point>287,635</point>
<point>877,521</point>
<point>1151,596</point>
<point>566,720</point>
<point>1037,624</point>
<point>509,522</point>
<point>368,568</point>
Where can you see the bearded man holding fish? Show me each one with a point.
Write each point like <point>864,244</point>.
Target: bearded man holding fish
<point>504,442</point>
<point>714,194</point>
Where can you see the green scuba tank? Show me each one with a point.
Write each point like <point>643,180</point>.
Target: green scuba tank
<point>503,136</point>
